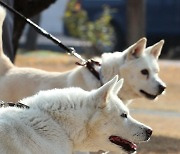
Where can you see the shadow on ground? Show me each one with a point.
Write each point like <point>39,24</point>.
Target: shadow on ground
<point>160,145</point>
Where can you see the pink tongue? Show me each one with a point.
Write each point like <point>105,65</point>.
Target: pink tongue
<point>127,142</point>
<point>132,145</point>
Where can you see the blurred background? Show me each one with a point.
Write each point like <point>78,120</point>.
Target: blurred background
<point>93,27</point>
<point>109,25</point>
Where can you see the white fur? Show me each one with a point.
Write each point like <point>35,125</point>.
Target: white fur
<point>17,83</point>
<point>65,120</point>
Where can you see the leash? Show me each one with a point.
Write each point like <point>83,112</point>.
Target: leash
<point>19,105</point>
<point>89,64</point>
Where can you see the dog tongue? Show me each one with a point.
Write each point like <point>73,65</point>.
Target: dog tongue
<point>126,145</point>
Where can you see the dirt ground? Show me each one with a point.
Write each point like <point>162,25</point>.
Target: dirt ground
<point>163,115</point>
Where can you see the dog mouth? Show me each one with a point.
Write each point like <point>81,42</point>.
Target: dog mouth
<point>125,144</point>
<point>147,95</point>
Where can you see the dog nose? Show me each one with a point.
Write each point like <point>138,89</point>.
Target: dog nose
<point>161,88</point>
<point>148,133</point>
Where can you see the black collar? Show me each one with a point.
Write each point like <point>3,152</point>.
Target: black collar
<point>90,65</point>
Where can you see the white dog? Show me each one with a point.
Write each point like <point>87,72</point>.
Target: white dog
<point>61,121</point>
<point>137,65</point>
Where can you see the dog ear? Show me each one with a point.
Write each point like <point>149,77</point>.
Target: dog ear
<point>104,92</point>
<point>136,50</point>
<point>118,86</point>
<point>156,49</point>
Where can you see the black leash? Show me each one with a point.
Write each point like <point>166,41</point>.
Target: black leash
<point>19,105</point>
<point>89,64</point>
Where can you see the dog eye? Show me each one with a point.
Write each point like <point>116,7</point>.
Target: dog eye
<point>145,72</point>
<point>124,115</point>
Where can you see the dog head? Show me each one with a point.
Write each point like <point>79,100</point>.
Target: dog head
<point>139,67</point>
<point>140,70</point>
<point>110,127</point>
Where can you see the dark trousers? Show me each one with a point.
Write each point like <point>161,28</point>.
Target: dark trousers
<point>8,32</point>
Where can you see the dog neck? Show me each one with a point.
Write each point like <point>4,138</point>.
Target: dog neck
<point>63,111</point>
<point>94,68</point>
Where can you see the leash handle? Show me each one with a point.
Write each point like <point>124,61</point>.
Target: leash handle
<point>44,32</point>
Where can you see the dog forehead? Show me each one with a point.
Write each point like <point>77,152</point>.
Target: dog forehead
<point>120,106</point>
<point>152,63</point>
<point>147,62</point>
